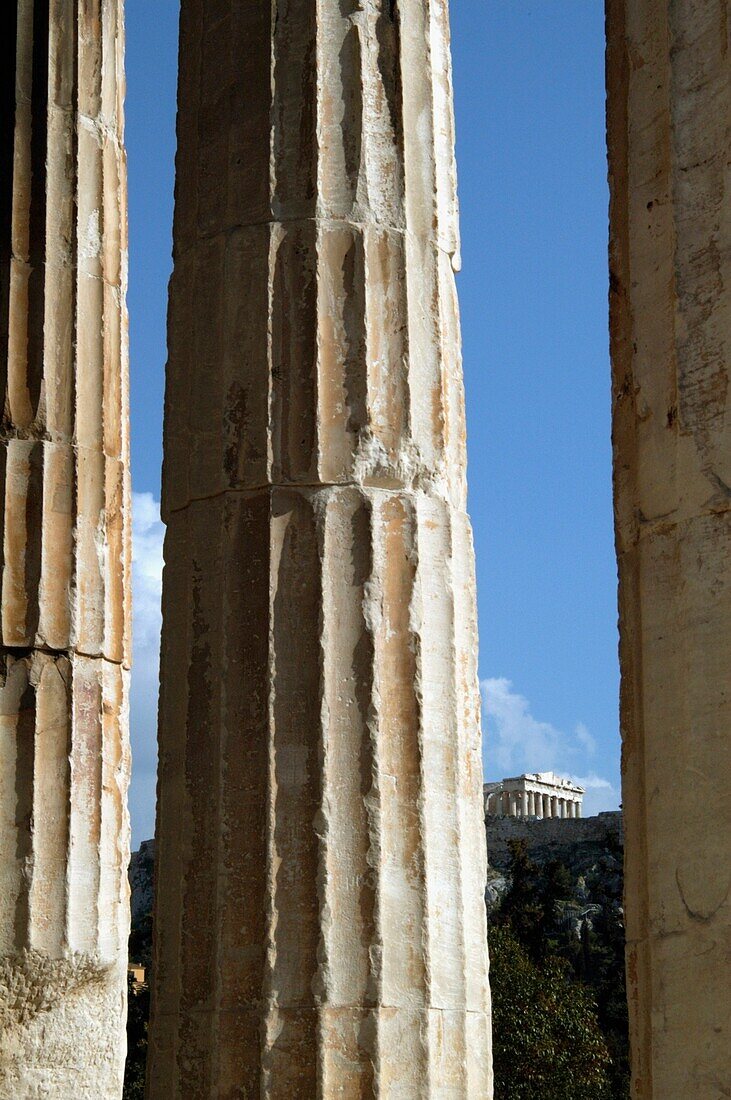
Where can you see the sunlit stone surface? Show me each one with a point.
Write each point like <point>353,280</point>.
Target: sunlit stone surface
<point>64,757</point>
<point>320,925</point>
<point>669,114</point>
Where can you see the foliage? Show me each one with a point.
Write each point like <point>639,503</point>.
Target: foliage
<point>576,926</point>
<point>546,1039</point>
<point>138,1010</point>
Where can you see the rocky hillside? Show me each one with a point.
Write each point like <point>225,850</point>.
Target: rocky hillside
<point>581,844</point>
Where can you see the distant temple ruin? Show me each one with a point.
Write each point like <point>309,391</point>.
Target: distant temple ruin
<point>535,794</point>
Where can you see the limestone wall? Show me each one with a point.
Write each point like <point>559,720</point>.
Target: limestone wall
<point>577,842</point>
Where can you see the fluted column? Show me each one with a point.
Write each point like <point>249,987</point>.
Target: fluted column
<point>669,100</point>
<point>319,912</point>
<point>64,496</point>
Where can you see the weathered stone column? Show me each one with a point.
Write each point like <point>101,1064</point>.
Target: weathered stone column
<point>320,925</point>
<point>669,81</point>
<point>64,756</point>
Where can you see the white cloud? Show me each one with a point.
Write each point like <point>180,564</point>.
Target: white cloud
<point>585,738</point>
<point>147,539</point>
<point>593,782</point>
<point>516,742</point>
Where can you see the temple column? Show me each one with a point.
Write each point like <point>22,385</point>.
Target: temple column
<point>64,500</point>
<point>524,803</point>
<point>321,847</point>
<point>531,804</point>
<point>669,104</point>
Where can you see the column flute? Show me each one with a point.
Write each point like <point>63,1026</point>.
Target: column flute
<point>319,911</point>
<point>64,503</point>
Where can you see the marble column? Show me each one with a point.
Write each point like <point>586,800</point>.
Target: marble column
<point>321,847</point>
<point>64,500</point>
<point>669,105</point>
<point>524,803</point>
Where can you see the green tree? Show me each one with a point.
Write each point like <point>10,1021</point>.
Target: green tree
<point>578,926</point>
<point>521,908</point>
<point>138,1011</point>
<point>546,1039</point>
<point>606,972</point>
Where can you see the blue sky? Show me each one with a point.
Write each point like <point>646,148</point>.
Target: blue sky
<point>530,129</point>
